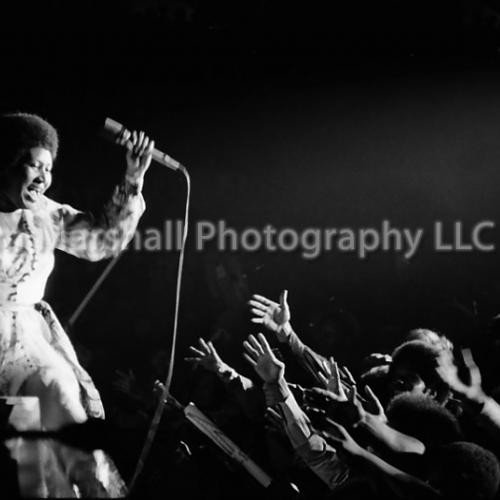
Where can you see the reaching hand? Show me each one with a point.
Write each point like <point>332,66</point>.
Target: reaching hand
<point>139,153</point>
<point>261,357</point>
<point>207,357</point>
<point>273,316</point>
<point>448,371</point>
<point>341,438</point>
<point>332,381</point>
<point>350,409</point>
<point>373,406</point>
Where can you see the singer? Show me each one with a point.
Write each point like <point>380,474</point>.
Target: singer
<point>36,355</point>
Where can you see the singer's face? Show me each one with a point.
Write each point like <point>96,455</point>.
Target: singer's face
<point>29,180</point>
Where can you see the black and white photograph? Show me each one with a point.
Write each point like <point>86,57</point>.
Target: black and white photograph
<point>250,250</point>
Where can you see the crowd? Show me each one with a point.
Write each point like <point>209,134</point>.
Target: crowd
<point>412,424</point>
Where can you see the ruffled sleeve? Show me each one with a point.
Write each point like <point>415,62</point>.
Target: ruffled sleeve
<point>92,237</point>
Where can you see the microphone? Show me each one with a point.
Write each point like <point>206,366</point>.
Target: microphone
<point>113,130</point>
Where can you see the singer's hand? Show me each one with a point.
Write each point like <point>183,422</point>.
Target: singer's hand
<point>139,154</point>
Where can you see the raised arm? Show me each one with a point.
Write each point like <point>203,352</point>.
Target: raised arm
<point>244,391</point>
<point>276,318</point>
<point>321,458</point>
<point>366,413</point>
<point>403,484</point>
<point>471,390</point>
<point>100,236</point>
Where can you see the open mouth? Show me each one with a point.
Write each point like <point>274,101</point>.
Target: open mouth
<point>34,192</point>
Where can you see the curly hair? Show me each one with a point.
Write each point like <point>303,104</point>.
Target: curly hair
<point>19,132</point>
<point>431,337</point>
<point>466,470</point>
<point>424,418</point>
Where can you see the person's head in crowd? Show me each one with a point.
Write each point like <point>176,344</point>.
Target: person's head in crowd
<point>464,470</point>
<point>414,370</point>
<point>28,149</point>
<point>431,337</point>
<point>424,418</point>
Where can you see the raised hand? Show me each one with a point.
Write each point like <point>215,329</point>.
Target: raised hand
<point>373,406</point>
<point>337,434</point>
<point>259,354</point>
<point>332,381</point>
<point>139,153</point>
<point>448,371</point>
<point>346,376</point>
<point>206,356</point>
<point>273,316</point>
<point>350,408</point>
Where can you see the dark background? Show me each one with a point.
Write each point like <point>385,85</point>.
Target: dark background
<point>294,115</point>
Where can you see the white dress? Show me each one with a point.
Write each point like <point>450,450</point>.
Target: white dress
<point>32,341</point>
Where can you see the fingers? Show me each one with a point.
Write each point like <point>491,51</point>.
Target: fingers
<point>250,350</point>
<point>259,305</point>
<point>136,142</point>
<point>352,394</point>
<point>124,136</point>
<point>336,373</point>
<point>339,429</point>
<point>264,300</point>
<point>475,374</point>
<point>469,360</point>
<point>249,359</point>
<point>283,299</point>
<point>318,391</point>
<point>204,345</point>
<point>323,379</point>
<point>202,352</point>
<point>258,312</point>
<point>197,351</point>
<point>328,366</point>
<point>256,344</point>
<point>257,320</point>
<point>265,344</point>
<point>374,399</point>
<point>212,350</point>
<point>348,375</point>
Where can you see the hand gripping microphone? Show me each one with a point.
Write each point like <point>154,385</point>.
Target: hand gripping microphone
<point>113,130</point>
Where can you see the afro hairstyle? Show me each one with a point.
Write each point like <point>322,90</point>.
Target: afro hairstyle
<point>465,470</point>
<point>19,132</point>
<point>424,418</point>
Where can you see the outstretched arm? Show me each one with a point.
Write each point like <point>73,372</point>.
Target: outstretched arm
<point>321,458</point>
<point>276,318</point>
<point>487,409</point>
<point>97,237</point>
<point>248,396</point>
<point>405,485</point>
<point>366,413</point>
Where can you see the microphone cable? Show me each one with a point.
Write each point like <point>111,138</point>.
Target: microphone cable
<point>155,422</point>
